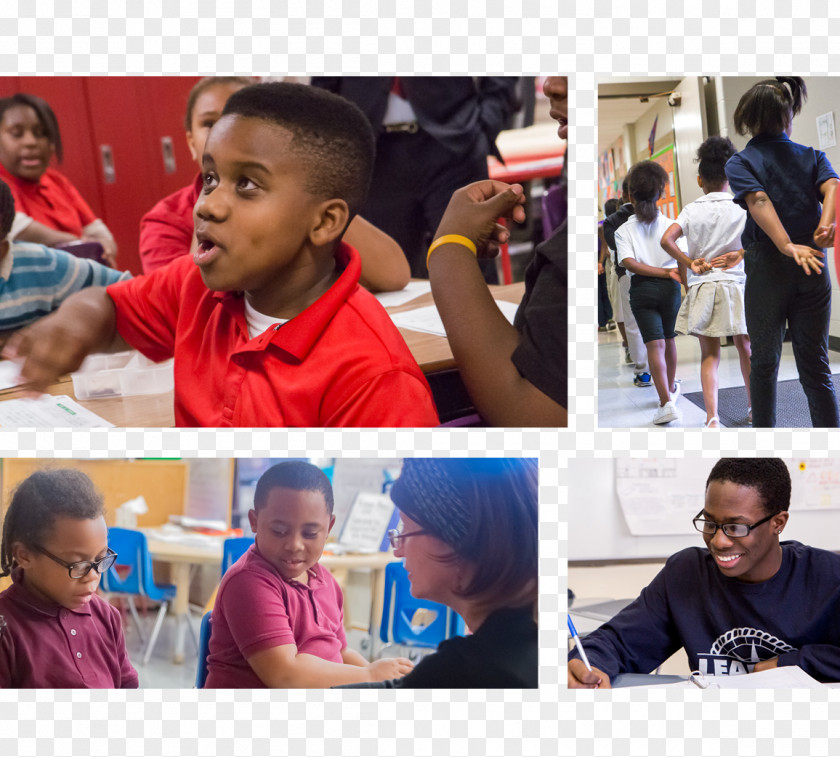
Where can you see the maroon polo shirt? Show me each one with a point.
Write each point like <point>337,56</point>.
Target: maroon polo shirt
<point>341,362</point>
<point>257,609</point>
<point>46,646</point>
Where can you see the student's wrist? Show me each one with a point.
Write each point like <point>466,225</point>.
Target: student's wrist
<point>451,242</point>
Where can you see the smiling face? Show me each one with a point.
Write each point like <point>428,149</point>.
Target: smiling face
<point>25,148</point>
<point>206,111</point>
<point>752,558</point>
<point>257,226</point>
<point>291,529</point>
<point>556,89</point>
<point>72,540</point>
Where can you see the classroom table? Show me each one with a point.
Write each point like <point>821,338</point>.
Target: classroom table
<point>431,352</point>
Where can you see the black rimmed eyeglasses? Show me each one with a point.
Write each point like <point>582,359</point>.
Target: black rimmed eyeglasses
<point>733,530</point>
<point>396,537</point>
<point>81,569</point>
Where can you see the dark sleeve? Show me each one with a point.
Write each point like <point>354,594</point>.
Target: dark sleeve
<point>824,170</point>
<point>542,320</point>
<point>608,228</point>
<point>637,640</point>
<point>497,103</point>
<point>7,657</point>
<point>330,83</point>
<point>822,661</point>
<point>442,670</point>
<point>742,180</point>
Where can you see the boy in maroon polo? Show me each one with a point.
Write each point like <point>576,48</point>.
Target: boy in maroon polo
<point>266,321</point>
<point>278,619</point>
<point>55,632</point>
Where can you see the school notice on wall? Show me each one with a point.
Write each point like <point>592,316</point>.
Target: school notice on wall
<point>815,484</point>
<point>660,497</point>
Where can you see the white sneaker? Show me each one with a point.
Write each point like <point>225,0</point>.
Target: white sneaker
<point>666,413</point>
<point>677,388</point>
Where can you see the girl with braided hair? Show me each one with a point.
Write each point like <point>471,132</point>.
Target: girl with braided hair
<point>59,633</point>
<point>789,191</point>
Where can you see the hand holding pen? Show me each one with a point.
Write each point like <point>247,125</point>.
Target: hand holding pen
<point>581,675</point>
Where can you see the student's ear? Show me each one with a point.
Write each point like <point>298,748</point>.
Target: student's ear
<point>22,555</point>
<point>332,523</point>
<point>191,146</point>
<point>780,521</point>
<point>699,182</point>
<point>252,520</point>
<point>331,220</point>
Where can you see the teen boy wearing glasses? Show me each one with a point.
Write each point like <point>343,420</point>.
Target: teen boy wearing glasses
<point>747,603</point>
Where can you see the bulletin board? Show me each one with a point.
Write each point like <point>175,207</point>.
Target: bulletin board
<point>669,204</point>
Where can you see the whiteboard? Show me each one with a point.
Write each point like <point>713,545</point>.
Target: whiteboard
<point>599,530</point>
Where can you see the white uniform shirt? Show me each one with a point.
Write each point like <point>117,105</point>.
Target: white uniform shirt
<point>640,241</point>
<point>712,225</point>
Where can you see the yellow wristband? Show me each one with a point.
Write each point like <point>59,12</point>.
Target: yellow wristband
<point>451,239</point>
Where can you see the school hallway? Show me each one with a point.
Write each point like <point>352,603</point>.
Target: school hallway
<point>623,405</point>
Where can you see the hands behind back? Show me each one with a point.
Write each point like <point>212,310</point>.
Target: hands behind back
<point>474,211</point>
<point>806,257</point>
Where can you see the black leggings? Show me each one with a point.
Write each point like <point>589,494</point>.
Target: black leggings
<point>777,292</point>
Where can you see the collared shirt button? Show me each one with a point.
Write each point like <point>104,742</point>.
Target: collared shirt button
<point>72,631</point>
<point>79,655</point>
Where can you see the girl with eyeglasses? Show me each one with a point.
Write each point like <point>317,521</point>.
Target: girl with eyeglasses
<point>59,633</point>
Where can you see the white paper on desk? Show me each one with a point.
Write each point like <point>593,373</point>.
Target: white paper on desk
<point>787,677</point>
<point>428,320</point>
<point>412,291</point>
<point>47,411</point>
<point>9,374</point>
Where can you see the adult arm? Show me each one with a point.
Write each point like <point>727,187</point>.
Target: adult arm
<point>58,343</point>
<point>40,234</point>
<point>283,667</point>
<point>481,338</point>
<point>822,661</point>
<point>384,264</point>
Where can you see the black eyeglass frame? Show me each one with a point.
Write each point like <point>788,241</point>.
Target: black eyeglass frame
<point>726,526</point>
<point>396,537</point>
<point>97,564</point>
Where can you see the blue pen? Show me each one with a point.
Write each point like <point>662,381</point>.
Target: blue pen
<point>579,646</point>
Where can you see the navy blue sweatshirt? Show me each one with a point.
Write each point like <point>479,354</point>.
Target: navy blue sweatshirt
<point>725,625</point>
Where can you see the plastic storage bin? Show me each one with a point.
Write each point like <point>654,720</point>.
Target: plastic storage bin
<point>121,374</point>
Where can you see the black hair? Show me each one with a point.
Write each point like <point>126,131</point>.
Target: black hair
<point>610,206</point>
<point>485,509</point>
<point>296,475</point>
<point>330,133</point>
<point>712,156</point>
<point>38,501</point>
<point>46,116</point>
<point>646,181</point>
<point>769,106</point>
<point>7,210</point>
<point>625,188</point>
<point>207,83</point>
<point>769,476</point>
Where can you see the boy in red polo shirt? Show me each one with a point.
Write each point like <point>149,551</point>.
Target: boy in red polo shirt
<point>278,619</point>
<point>267,322</point>
<point>55,632</point>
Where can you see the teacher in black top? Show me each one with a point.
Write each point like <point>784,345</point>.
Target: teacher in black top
<point>469,540</point>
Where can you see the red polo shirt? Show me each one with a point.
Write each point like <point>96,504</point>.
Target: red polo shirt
<point>46,646</point>
<point>166,231</point>
<point>52,201</point>
<point>341,362</point>
<point>257,609</point>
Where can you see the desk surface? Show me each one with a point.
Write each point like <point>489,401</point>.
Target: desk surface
<point>156,410</point>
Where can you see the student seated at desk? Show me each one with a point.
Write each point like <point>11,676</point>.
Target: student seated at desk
<point>278,619</point>
<point>55,632</point>
<point>469,541</point>
<point>746,603</point>
<point>35,280</point>
<point>29,138</point>
<point>167,230</point>
<point>515,375</point>
<point>267,322</point>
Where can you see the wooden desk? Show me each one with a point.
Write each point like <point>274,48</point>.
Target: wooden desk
<point>156,410</point>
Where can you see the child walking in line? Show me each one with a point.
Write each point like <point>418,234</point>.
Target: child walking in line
<point>714,267</point>
<point>782,184</point>
<point>654,287</point>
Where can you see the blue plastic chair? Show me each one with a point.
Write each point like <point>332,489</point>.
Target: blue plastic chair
<point>133,551</point>
<point>203,649</point>
<point>234,548</point>
<point>400,610</point>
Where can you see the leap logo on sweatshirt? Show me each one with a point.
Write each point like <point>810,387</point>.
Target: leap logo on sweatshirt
<point>739,650</point>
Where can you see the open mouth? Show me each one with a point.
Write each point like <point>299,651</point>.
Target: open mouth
<point>727,561</point>
<point>206,250</point>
